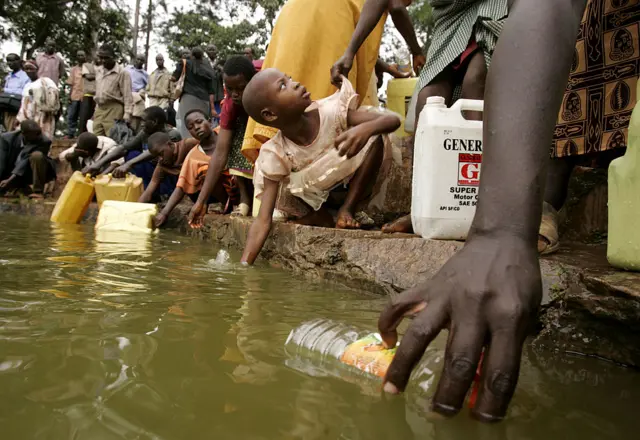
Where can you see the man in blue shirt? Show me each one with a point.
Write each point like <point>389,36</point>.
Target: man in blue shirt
<point>139,81</point>
<point>14,83</point>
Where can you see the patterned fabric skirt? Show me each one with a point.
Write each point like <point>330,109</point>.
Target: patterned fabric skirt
<point>601,92</point>
<point>237,162</point>
<point>455,23</point>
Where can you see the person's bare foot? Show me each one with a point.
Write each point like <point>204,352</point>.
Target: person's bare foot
<point>346,220</point>
<point>402,225</point>
<point>321,218</point>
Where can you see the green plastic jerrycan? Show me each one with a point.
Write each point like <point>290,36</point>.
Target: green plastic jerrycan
<point>623,249</point>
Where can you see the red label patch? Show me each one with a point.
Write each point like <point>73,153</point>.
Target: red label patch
<point>469,169</point>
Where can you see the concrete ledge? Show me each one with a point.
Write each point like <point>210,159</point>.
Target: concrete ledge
<point>589,307</point>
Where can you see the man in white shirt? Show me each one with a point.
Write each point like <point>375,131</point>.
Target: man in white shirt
<point>88,150</point>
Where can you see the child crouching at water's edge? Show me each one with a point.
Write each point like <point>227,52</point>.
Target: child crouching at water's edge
<point>194,169</point>
<point>320,146</point>
<point>237,73</point>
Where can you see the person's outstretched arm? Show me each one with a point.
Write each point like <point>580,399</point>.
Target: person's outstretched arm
<point>122,170</point>
<point>176,197</point>
<point>372,12</point>
<point>217,164</point>
<point>489,293</point>
<point>261,226</point>
<point>116,153</point>
<point>154,184</point>
<point>402,22</point>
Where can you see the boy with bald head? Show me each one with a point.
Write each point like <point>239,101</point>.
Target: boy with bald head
<point>321,146</point>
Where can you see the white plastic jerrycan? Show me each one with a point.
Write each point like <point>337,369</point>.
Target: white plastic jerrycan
<point>446,169</point>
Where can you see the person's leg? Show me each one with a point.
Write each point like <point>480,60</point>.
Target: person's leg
<point>114,111</point>
<point>85,113</point>
<point>135,124</point>
<point>246,196</point>
<point>557,185</point>
<point>72,118</point>
<point>474,81</point>
<point>361,185</point>
<point>38,163</point>
<point>98,122</point>
<point>443,86</point>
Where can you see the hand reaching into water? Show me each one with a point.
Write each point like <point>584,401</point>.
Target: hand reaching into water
<point>159,220</point>
<point>196,215</point>
<point>487,294</point>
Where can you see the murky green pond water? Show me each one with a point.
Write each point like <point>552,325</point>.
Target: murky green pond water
<point>122,338</point>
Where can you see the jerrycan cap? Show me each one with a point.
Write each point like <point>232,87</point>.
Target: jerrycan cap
<point>436,101</point>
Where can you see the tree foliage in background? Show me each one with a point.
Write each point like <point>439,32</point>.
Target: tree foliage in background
<point>222,23</point>
<point>73,24</point>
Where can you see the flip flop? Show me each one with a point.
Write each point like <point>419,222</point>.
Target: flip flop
<point>242,210</point>
<point>548,235</point>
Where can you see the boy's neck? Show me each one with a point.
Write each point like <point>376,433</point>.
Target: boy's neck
<point>304,130</point>
<point>209,144</point>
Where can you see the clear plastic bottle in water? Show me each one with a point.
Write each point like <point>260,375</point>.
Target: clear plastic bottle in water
<point>317,348</point>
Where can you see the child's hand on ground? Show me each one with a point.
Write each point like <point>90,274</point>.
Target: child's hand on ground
<point>352,141</point>
<point>196,215</point>
<point>121,172</point>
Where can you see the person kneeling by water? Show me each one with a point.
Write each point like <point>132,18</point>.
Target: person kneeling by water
<point>305,161</point>
<point>170,156</point>
<point>88,151</point>
<point>195,166</point>
<point>237,73</point>
<point>25,161</point>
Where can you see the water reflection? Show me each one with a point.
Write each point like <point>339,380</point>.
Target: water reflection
<point>110,337</point>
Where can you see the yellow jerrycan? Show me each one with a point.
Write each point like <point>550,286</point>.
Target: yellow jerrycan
<point>623,247</point>
<point>74,200</point>
<point>128,189</point>
<point>126,216</point>
<point>399,92</point>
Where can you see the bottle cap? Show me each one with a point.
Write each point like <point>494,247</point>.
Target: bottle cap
<point>435,100</point>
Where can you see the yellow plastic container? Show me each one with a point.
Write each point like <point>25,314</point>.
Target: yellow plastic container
<point>74,200</point>
<point>399,92</point>
<point>126,216</point>
<point>623,247</point>
<point>369,355</point>
<point>128,189</point>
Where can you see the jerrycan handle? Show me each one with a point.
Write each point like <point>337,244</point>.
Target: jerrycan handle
<point>475,105</point>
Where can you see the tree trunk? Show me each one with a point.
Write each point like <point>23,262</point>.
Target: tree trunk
<point>94,15</point>
<point>136,18</point>
<point>149,28</point>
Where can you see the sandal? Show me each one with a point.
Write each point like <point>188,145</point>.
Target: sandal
<point>242,210</point>
<point>548,235</point>
<point>36,196</point>
<point>365,221</point>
